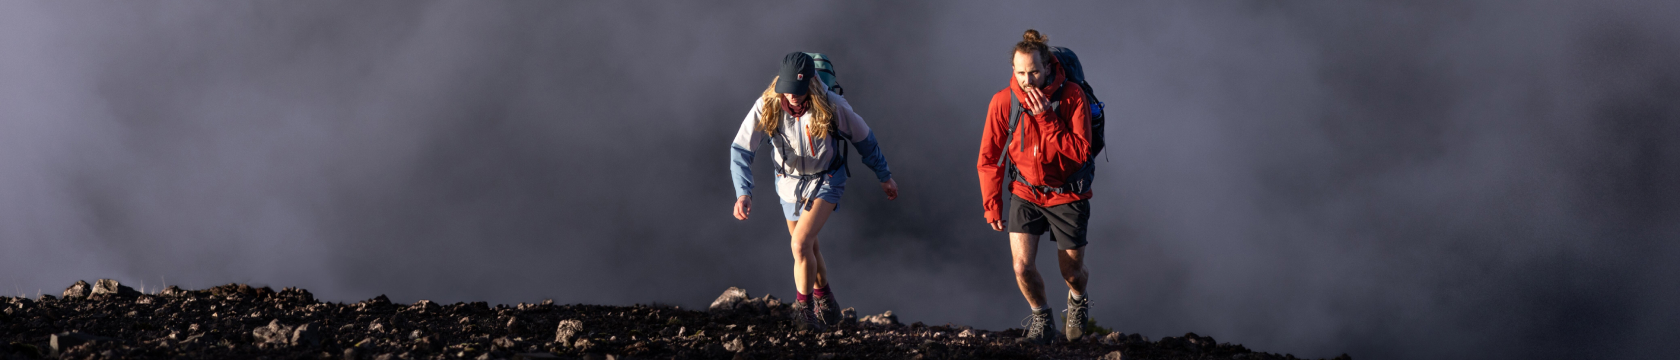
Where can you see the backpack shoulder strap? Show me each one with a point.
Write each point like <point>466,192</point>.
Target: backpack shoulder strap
<point>1009,133</point>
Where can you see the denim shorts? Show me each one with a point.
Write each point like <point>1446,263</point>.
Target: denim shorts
<point>830,191</point>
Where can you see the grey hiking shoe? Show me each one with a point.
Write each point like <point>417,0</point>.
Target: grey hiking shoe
<point>827,310</point>
<point>1078,314</point>
<point>1041,329</point>
<point>805,318</point>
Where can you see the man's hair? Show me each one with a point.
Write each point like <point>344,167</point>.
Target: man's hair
<point>1034,43</point>
<point>821,109</point>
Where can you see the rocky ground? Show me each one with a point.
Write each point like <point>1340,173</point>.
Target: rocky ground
<point>107,320</point>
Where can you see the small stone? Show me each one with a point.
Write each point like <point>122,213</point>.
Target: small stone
<point>734,345</point>
<point>729,299</point>
<point>1114,355</point>
<point>66,340</point>
<point>424,306</point>
<point>386,356</point>
<point>1113,338</point>
<point>79,289</point>
<point>848,316</point>
<point>273,334</point>
<point>582,345</point>
<point>306,335</point>
<point>568,330</point>
<point>884,319</point>
<point>501,343</point>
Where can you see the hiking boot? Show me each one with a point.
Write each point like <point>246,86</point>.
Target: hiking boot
<point>1078,314</point>
<point>827,309</point>
<point>805,318</point>
<point>1041,328</point>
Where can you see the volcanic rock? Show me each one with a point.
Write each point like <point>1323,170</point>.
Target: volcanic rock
<point>884,319</point>
<point>848,316</point>
<point>306,335</point>
<point>424,306</point>
<point>66,340</point>
<point>729,299</point>
<point>112,287</point>
<point>272,335</point>
<point>568,330</point>
<point>1115,355</point>
<point>238,321</point>
<point>79,289</point>
<point>1113,338</point>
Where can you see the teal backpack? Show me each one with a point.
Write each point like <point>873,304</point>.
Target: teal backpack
<point>825,70</point>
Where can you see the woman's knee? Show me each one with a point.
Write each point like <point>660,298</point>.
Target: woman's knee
<point>803,246</point>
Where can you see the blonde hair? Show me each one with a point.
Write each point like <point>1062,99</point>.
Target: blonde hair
<point>822,111</point>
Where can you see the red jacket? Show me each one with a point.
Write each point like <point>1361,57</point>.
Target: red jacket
<point>1048,147</point>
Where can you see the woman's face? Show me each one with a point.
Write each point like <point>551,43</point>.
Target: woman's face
<point>794,100</point>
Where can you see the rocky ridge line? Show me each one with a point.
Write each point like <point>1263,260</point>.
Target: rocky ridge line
<point>107,320</point>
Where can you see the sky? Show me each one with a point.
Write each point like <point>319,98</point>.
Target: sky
<point>1391,180</point>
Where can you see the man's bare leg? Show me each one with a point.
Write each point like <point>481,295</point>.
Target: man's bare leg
<point>1024,248</point>
<point>1072,262</point>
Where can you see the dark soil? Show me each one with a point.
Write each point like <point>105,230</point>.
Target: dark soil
<point>237,321</point>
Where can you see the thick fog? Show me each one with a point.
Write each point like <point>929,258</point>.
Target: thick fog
<point>1434,179</point>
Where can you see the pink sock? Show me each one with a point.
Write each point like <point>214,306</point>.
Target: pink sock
<point>820,292</point>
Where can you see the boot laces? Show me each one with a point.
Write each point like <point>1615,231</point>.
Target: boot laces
<point>1035,325</point>
<point>1078,312</point>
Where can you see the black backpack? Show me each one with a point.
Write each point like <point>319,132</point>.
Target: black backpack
<point>1080,181</point>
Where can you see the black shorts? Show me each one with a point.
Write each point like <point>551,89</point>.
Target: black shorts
<point>1066,222</point>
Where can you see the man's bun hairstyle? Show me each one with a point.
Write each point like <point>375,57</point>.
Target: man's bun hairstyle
<point>1032,42</point>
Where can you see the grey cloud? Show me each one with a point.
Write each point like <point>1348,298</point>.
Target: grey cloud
<point>1390,180</point>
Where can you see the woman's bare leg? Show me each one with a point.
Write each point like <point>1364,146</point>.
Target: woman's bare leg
<point>807,262</point>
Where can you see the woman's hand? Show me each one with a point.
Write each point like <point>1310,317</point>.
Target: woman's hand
<point>743,206</point>
<point>891,188</point>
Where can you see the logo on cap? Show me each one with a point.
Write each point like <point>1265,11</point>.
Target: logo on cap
<point>800,77</point>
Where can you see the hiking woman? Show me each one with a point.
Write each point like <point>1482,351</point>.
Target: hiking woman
<point>808,127</point>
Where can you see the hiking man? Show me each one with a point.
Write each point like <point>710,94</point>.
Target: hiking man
<point>809,126</point>
<point>1048,141</point>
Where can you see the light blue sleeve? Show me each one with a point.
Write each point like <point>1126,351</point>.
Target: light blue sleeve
<point>741,152</point>
<point>852,124</point>
<point>740,169</point>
